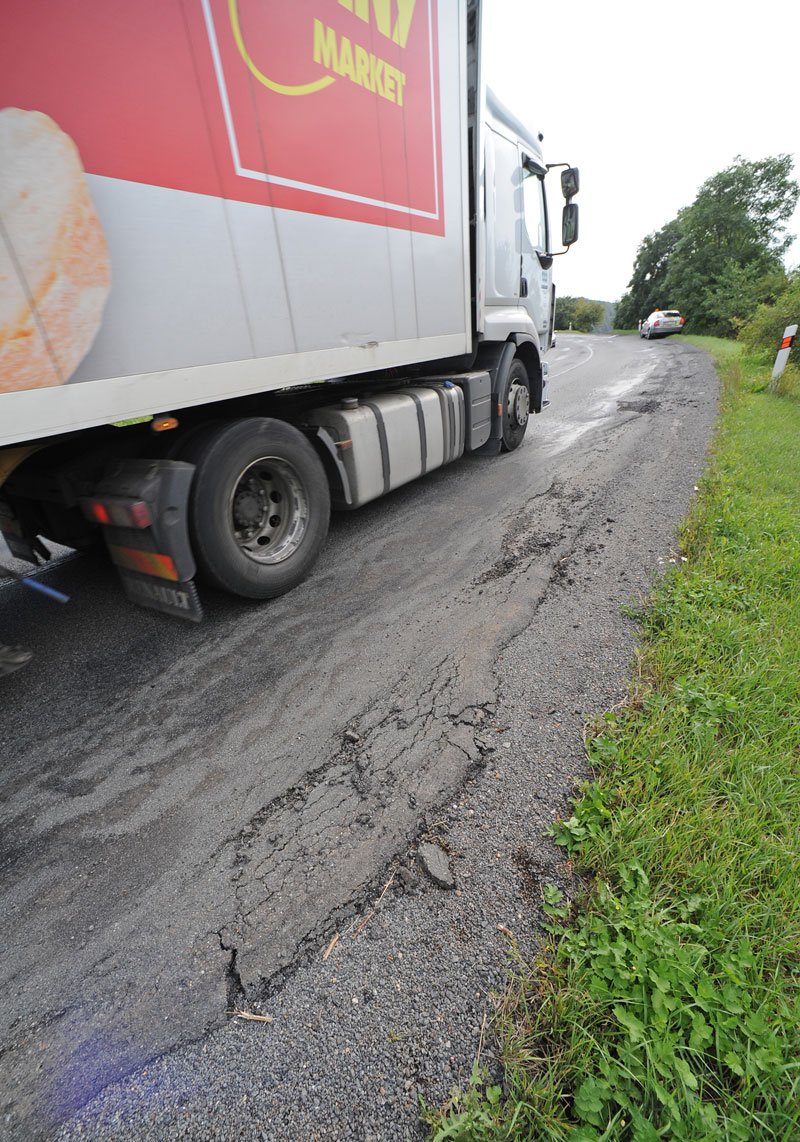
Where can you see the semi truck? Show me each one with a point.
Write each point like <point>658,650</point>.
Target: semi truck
<point>257,260</point>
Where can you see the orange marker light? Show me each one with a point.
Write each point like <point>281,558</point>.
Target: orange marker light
<point>164,423</point>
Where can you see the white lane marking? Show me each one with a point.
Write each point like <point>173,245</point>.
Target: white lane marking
<point>585,361</point>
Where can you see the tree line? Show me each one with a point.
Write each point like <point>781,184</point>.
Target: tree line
<point>578,313</point>
<point>721,260</point>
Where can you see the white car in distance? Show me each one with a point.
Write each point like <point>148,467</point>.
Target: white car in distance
<point>661,323</point>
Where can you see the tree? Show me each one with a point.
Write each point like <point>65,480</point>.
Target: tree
<point>565,312</point>
<point>731,245</point>
<point>588,314</point>
<point>722,256</point>
<point>578,313</point>
<point>739,290</point>
<point>747,206</point>
<point>646,289</point>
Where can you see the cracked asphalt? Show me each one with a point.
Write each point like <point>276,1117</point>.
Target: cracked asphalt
<point>197,820</point>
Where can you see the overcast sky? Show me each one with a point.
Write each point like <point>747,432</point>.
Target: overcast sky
<point>648,100</point>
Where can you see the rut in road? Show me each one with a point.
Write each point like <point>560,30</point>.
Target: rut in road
<point>367,804</point>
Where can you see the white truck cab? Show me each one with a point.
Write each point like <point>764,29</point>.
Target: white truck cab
<point>519,280</point>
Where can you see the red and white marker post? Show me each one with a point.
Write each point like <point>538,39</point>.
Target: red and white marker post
<point>789,334</point>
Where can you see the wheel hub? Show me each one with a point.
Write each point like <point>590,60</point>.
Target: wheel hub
<point>249,506</point>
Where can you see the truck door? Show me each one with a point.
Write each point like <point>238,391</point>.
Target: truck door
<point>535,277</point>
<point>502,220</point>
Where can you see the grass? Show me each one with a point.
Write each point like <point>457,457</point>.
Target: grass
<point>665,1002</point>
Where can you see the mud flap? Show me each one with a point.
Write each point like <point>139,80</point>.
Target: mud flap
<point>142,507</point>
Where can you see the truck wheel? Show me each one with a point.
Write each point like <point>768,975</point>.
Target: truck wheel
<point>259,507</point>
<point>516,406</point>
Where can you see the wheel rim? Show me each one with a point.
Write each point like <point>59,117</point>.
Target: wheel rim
<point>518,405</point>
<point>268,510</point>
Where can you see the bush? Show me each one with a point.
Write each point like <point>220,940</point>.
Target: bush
<point>764,330</point>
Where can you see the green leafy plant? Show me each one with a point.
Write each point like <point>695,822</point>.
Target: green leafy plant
<point>472,1115</point>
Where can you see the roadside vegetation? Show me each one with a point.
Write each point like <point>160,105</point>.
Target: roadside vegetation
<point>665,1000</point>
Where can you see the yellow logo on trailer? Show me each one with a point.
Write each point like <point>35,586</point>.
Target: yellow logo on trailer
<point>337,53</point>
<point>382,10</point>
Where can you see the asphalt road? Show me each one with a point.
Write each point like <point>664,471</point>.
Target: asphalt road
<point>190,814</point>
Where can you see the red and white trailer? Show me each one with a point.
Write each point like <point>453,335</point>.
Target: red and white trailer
<point>254,258</point>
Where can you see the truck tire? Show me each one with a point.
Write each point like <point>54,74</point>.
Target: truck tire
<point>516,405</point>
<point>259,507</point>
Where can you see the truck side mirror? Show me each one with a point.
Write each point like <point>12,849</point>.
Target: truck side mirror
<point>570,182</point>
<point>569,224</point>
